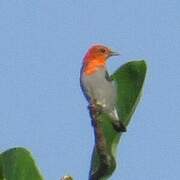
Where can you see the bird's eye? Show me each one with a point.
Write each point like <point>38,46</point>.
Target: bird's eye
<point>103,50</point>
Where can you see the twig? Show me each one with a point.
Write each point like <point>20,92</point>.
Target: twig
<point>105,158</point>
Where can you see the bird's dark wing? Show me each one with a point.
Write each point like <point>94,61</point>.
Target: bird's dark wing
<point>108,78</point>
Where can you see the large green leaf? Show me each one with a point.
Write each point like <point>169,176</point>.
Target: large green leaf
<point>129,79</point>
<point>18,164</point>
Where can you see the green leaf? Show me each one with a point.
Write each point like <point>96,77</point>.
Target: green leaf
<point>18,164</point>
<point>129,79</point>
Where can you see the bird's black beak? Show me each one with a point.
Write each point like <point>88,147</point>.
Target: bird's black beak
<point>113,53</point>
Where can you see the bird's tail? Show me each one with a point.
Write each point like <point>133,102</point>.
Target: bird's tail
<point>114,114</point>
<point>117,122</point>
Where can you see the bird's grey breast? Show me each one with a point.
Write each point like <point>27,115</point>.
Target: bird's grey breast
<point>99,88</point>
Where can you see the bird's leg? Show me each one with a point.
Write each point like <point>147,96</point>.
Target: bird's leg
<point>95,108</point>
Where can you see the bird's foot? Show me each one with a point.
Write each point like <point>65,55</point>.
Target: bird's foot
<point>95,111</point>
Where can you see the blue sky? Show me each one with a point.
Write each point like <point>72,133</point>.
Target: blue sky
<point>42,108</point>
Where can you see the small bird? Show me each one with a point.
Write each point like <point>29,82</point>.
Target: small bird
<point>98,86</point>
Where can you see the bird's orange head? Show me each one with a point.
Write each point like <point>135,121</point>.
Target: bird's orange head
<point>96,58</point>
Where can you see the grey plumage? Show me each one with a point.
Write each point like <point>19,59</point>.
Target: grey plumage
<point>100,88</point>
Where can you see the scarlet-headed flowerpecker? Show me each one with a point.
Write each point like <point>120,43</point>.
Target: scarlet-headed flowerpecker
<point>97,85</point>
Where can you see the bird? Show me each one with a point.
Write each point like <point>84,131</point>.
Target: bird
<point>98,87</point>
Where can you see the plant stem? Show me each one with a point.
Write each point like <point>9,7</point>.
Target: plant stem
<point>105,158</point>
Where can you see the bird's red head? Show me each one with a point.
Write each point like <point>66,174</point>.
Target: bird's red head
<point>96,58</point>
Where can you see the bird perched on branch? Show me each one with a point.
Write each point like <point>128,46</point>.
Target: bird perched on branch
<point>98,86</point>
